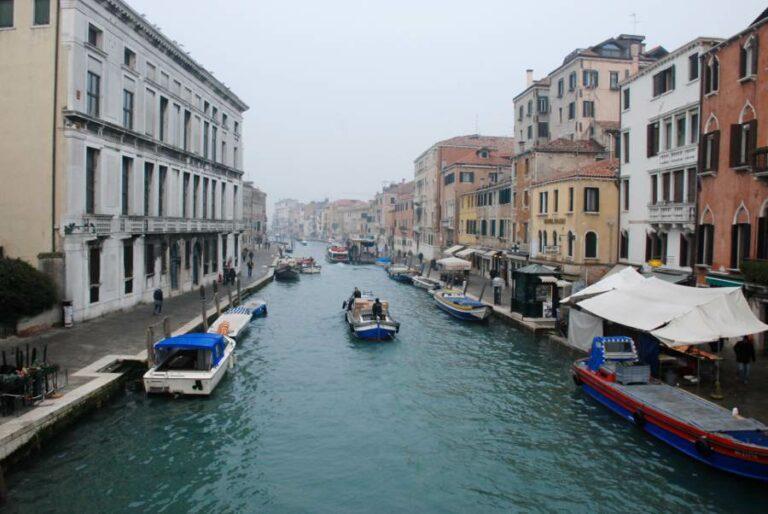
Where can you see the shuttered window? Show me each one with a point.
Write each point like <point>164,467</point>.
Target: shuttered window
<point>743,142</point>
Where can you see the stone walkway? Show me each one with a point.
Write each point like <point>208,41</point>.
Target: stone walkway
<point>123,332</point>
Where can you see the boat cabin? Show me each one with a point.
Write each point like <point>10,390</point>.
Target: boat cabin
<point>190,352</point>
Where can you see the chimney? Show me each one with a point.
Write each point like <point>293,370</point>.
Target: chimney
<point>528,77</point>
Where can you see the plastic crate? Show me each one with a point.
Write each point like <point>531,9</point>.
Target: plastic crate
<point>638,374</point>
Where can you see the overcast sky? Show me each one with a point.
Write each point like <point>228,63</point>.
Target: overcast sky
<point>344,95</point>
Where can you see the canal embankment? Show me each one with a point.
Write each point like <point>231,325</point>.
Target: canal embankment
<point>112,351</point>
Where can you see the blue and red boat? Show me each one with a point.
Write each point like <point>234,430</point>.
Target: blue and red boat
<point>699,428</point>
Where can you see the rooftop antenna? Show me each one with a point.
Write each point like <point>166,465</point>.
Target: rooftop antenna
<point>635,22</point>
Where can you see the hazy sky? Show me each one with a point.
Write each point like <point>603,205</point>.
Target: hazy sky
<point>344,95</point>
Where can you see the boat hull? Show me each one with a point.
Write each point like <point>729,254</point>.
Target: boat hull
<point>289,274</point>
<point>403,278</point>
<point>375,332</point>
<point>709,448</point>
<point>427,286</point>
<point>476,314</point>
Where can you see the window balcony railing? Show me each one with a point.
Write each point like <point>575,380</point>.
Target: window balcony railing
<point>684,154</point>
<point>683,213</point>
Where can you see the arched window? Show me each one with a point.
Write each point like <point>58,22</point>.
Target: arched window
<point>762,232</point>
<point>748,59</point>
<point>712,76</point>
<point>571,239</point>
<point>590,245</point>
<point>541,242</point>
<point>484,228</point>
<point>624,245</point>
<point>741,232</point>
<point>554,238</point>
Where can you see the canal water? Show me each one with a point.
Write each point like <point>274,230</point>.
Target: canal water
<point>449,417</point>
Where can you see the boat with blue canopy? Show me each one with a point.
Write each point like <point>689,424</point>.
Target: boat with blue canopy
<point>190,364</point>
<point>461,306</point>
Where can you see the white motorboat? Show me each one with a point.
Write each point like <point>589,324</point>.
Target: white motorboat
<point>429,284</point>
<point>191,364</point>
<point>235,320</point>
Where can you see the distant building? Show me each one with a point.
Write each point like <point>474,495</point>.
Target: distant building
<point>532,111</point>
<point>122,155</point>
<point>403,243</point>
<point>254,216</point>
<point>428,168</point>
<point>575,220</point>
<point>660,127</point>
<point>286,221</point>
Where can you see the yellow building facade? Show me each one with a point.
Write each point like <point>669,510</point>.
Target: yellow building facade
<point>574,220</point>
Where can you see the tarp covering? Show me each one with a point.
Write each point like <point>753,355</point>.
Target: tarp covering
<point>453,249</point>
<point>582,329</point>
<point>678,315</point>
<point>454,264</point>
<point>467,252</point>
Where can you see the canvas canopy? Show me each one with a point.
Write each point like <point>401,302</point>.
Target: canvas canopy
<point>454,264</point>
<point>677,315</point>
<point>453,249</point>
<point>466,252</point>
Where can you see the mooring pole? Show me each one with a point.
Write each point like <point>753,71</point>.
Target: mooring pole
<point>202,305</point>
<point>167,326</point>
<point>150,347</point>
<point>482,291</point>
<point>229,295</point>
<point>239,298</point>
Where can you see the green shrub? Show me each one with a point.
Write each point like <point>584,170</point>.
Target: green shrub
<point>24,291</point>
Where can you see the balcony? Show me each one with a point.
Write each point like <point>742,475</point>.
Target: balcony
<point>683,155</point>
<point>672,213</point>
<point>97,224</point>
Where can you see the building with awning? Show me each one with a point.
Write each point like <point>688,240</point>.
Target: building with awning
<point>466,253</point>
<point>453,249</point>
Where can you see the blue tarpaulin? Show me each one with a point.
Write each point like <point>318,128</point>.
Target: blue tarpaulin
<point>212,342</point>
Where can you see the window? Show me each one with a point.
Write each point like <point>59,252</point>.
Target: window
<point>163,258</point>
<point>665,187</point>
<point>588,109</point>
<point>127,171</point>
<point>711,151</point>
<point>187,130</point>
<point>129,58</point>
<point>206,131</point>
<point>467,176</point>
<point>127,109</point>
<point>572,81</point>
<point>571,240</point>
<point>624,245</point>
<point>6,13</point>
<point>685,253</point>
<point>691,193</point>
<point>693,66</point>
<point>625,194</point>
<point>149,259</point>
<point>492,232</point>
<point>91,181</point>
<point>521,113</point>
<point>614,80</point>
<point>556,200</point>
<point>711,76</point>
<point>678,182</point>
<point>591,199</point>
<point>128,266</point>
<point>654,189</point>
<point>571,110</point>
<point>505,196</point>
<point>93,94</point>
<point>450,178</point>
<point>589,78</point>
<point>163,173</point>
<point>149,113</point>
<point>94,36</point>
<point>195,193</point>
<point>748,59</point>
<point>706,243</point>
<point>149,169</point>
<point>163,133</point>
<point>762,237</point>
<point>590,245</point>
<point>224,120</point>
<point>205,198</point>
<point>483,228</point>
<point>664,81</point>
<point>740,234</point>
<point>94,271</point>
<point>625,146</point>
<point>529,109</point>
<point>185,196</point>
<point>570,199</point>
<point>42,12</point>
<point>214,131</point>
<point>543,129</point>
<point>694,127</point>
<point>626,99</point>
<point>530,131</point>
<point>213,199</point>
<point>668,134</point>
<point>653,139</point>
<point>543,104</point>
<point>743,142</point>
<point>151,71</point>
<point>680,124</point>
<point>560,87</point>
<point>543,207</point>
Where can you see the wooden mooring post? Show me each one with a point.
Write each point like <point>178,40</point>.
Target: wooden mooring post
<point>202,306</point>
<point>482,291</point>
<point>150,346</point>
<point>239,298</point>
<point>166,327</point>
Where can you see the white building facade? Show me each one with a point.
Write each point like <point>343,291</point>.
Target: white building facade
<point>150,152</point>
<point>659,157</point>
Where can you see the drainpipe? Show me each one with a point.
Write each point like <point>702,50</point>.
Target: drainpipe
<point>53,125</point>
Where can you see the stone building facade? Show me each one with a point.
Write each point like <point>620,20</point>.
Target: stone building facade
<point>254,216</point>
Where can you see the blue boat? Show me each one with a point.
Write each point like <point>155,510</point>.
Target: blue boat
<point>401,274</point>
<point>366,326</point>
<point>383,261</point>
<point>699,428</point>
<point>462,307</point>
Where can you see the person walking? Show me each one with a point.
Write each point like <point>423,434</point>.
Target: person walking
<point>745,356</point>
<point>250,269</point>
<point>158,297</point>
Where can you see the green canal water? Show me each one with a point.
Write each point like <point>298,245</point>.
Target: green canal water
<point>449,417</point>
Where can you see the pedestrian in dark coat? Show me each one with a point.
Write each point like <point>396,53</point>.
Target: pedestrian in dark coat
<point>745,356</point>
<point>158,297</point>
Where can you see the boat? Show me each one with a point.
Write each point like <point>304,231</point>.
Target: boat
<point>190,364</point>
<point>287,269</point>
<point>308,266</point>
<point>235,320</point>
<point>359,316</point>
<point>699,428</point>
<point>384,261</point>
<point>430,284</point>
<point>401,274</point>
<point>460,306</point>
<point>337,253</point>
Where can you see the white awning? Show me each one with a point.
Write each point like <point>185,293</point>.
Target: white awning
<point>453,249</point>
<point>548,279</point>
<point>466,253</point>
<point>677,315</point>
<point>454,264</point>
<point>491,253</point>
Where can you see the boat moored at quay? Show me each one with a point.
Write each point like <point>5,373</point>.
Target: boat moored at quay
<point>429,284</point>
<point>336,253</point>
<point>401,274</point>
<point>190,364</point>
<point>287,269</point>
<point>461,306</point>
<point>700,429</point>
<point>235,320</point>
